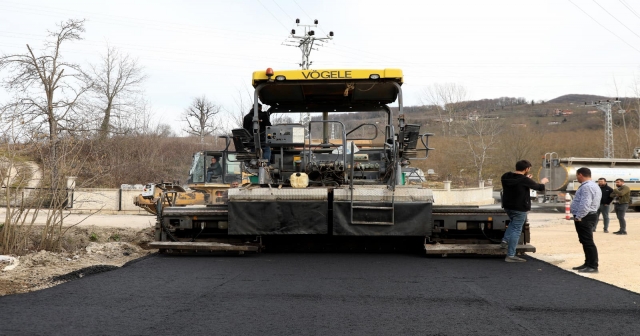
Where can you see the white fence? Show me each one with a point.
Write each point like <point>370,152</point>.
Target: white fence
<point>469,196</point>
<point>92,199</point>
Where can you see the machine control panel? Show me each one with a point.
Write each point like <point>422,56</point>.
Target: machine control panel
<point>360,157</point>
<point>285,135</point>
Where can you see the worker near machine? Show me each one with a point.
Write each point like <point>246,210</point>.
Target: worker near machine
<point>621,204</point>
<point>263,120</point>
<point>225,194</point>
<point>517,202</point>
<point>604,204</point>
<point>214,169</point>
<point>585,214</point>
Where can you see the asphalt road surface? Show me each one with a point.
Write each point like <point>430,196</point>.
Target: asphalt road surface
<point>325,294</point>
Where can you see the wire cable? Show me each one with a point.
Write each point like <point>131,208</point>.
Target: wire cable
<point>285,13</point>
<point>601,25</point>
<point>267,9</point>
<point>624,25</point>
<point>631,9</point>
<point>309,16</point>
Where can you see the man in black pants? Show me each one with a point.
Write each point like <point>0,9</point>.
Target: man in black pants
<point>584,209</point>
<point>604,204</point>
<point>623,197</point>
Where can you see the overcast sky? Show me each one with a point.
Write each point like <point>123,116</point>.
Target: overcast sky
<point>533,49</point>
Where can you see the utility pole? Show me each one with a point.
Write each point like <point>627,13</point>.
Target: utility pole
<point>605,106</point>
<point>306,42</point>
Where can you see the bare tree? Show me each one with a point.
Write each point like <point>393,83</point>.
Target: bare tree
<point>49,88</point>
<point>243,103</point>
<point>447,98</point>
<point>515,144</point>
<point>200,118</point>
<point>481,135</point>
<point>117,81</point>
<point>49,109</point>
<point>634,103</point>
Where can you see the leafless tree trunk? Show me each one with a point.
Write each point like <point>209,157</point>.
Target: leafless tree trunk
<point>243,103</point>
<point>117,81</point>
<point>516,144</point>
<point>200,118</point>
<point>49,89</point>
<point>481,136</point>
<point>446,98</point>
<point>48,107</point>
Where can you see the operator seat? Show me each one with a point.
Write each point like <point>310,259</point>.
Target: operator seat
<point>242,140</point>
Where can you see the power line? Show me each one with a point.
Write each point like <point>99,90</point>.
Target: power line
<point>631,9</point>
<point>601,25</point>
<point>305,13</point>
<point>136,22</point>
<point>267,9</point>
<point>285,13</point>
<point>629,29</point>
<point>309,16</point>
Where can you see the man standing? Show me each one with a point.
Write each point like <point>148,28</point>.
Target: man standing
<point>584,209</point>
<point>263,122</point>
<point>517,202</point>
<point>225,194</point>
<point>604,204</point>
<point>623,196</point>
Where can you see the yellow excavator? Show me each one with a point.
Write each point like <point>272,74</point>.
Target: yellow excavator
<point>205,185</point>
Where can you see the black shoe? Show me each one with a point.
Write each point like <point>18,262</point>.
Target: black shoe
<point>620,233</point>
<point>588,270</point>
<point>579,267</point>
<point>606,231</point>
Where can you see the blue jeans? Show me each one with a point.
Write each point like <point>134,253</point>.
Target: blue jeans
<point>512,235</point>
<point>604,210</point>
<point>266,153</point>
<point>621,209</point>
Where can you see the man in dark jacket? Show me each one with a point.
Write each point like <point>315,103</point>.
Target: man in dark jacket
<point>605,201</point>
<point>516,201</point>
<point>214,170</point>
<point>264,121</point>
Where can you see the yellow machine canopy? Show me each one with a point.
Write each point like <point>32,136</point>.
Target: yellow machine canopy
<point>330,89</point>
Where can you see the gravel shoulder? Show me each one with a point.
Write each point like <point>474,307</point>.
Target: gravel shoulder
<point>87,249</point>
<point>557,243</point>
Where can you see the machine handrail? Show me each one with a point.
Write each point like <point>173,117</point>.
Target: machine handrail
<point>344,142</point>
<point>361,125</point>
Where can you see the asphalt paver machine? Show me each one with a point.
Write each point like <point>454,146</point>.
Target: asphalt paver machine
<point>321,190</point>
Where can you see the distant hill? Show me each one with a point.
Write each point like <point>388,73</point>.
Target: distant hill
<point>577,99</point>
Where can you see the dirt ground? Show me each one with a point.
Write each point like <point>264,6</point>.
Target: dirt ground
<point>102,242</point>
<point>88,249</point>
<point>557,243</point>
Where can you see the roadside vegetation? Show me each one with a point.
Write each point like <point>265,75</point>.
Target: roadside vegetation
<point>93,123</point>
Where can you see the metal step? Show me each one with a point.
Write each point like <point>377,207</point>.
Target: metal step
<point>491,249</point>
<point>202,246</point>
<point>372,207</point>
<point>371,223</point>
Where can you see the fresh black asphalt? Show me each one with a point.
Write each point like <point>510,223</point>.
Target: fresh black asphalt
<point>325,294</point>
